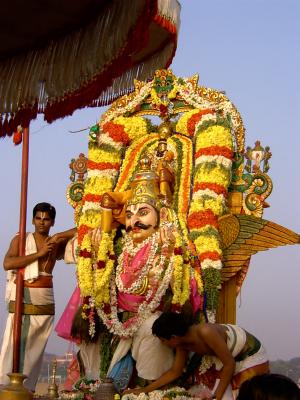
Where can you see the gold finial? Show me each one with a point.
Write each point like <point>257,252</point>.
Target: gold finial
<point>53,388</point>
<point>145,163</point>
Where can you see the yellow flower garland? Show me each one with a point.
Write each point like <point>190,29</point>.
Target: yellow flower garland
<point>135,127</point>
<point>100,155</point>
<point>177,279</point>
<point>182,192</point>
<point>185,295</point>
<point>207,244</point>
<point>217,205</point>
<point>215,135</point>
<point>199,282</point>
<point>84,271</point>
<point>182,123</point>
<point>98,185</point>
<point>217,175</point>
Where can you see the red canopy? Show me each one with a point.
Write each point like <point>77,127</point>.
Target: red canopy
<point>57,56</point>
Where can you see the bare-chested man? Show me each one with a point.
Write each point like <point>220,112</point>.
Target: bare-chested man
<point>230,355</point>
<point>41,253</point>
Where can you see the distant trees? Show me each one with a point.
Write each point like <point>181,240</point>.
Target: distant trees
<point>289,368</point>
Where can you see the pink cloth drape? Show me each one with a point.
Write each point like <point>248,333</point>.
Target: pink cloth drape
<point>64,325</point>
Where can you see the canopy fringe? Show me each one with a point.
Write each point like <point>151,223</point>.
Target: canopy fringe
<point>85,68</point>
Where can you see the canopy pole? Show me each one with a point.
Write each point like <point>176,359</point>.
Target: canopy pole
<point>17,328</point>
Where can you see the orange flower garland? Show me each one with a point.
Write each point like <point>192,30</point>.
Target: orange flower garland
<point>195,118</point>
<point>213,158</point>
<point>116,132</point>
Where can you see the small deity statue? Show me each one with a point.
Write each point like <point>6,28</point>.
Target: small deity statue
<point>164,162</point>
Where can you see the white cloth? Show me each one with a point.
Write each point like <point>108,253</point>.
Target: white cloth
<point>10,279</point>
<point>70,256</point>
<point>236,340</point>
<point>90,356</point>
<point>32,270</point>
<point>35,331</point>
<point>151,356</point>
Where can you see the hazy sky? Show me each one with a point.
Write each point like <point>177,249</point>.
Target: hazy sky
<point>250,49</point>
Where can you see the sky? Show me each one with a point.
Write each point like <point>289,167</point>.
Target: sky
<point>250,49</point>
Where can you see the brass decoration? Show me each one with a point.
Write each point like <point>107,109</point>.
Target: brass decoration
<point>260,184</point>
<point>106,390</point>
<point>53,388</point>
<point>15,390</point>
<point>75,190</point>
<point>250,185</point>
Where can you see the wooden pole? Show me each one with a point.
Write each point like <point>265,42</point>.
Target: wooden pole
<point>17,328</point>
<point>226,313</point>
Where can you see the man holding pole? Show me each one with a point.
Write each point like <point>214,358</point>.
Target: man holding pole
<point>41,253</point>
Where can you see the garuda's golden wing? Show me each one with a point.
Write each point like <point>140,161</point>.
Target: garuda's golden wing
<point>244,235</point>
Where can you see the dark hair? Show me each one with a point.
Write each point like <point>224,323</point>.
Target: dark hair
<point>44,207</point>
<point>269,387</point>
<point>171,324</point>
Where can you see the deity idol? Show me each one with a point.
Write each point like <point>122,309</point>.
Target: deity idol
<point>199,205</point>
<point>153,272</point>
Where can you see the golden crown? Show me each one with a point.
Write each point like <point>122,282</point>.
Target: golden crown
<point>145,186</point>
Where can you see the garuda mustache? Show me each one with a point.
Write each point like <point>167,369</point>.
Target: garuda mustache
<point>138,224</point>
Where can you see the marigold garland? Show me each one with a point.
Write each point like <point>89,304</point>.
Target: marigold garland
<point>102,275</point>
<point>116,132</point>
<point>215,150</point>
<point>195,118</point>
<point>213,155</point>
<point>184,167</point>
<point>218,189</point>
<point>95,185</point>
<point>102,154</point>
<point>179,296</point>
<point>84,268</point>
<point>102,165</point>
<point>187,122</point>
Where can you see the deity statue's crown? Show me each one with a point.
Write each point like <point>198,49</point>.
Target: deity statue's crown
<point>145,186</point>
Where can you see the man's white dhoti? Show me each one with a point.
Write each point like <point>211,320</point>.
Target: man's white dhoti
<point>37,321</point>
<point>35,333</point>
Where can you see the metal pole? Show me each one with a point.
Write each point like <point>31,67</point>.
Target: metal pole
<point>22,239</point>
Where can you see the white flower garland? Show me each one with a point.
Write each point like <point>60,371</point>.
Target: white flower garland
<point>145,309</point>
<point>135,101</point>
<point>133,250</point>
<point>177,392</point>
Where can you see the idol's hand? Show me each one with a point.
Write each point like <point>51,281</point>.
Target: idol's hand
<point>95,236</point>
<point>167,234</point>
